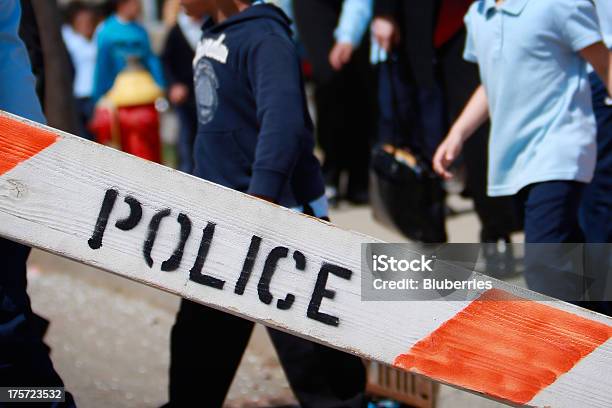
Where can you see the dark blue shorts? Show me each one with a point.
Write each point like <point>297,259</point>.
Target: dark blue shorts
<point>551,217</point>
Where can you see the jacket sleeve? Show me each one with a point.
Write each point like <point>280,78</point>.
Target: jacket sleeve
<point>17,84</point>
<point>307,182</point>
<point>275,78</point>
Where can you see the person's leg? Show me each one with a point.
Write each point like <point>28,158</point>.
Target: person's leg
<point>497,215</point>
<point>329,107</point>
<point>432,119</point>
<point>320,377</point>
<point>596,207</point>
<point>85,110</point>
<point>359,123</point>
<point>553,255</point>
<point>598,270</point>
<point>186,138</point>
<point>316,21</point>
<point>24,358</point>
<point>206,347</point>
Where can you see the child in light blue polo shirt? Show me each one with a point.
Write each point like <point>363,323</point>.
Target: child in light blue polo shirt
<point>532,56</point>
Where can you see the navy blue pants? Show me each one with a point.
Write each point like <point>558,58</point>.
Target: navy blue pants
<point>85,110</point>
<point>596,208</point>
<point>207,346</point>
<point>188,128</point>
<point>24,358</point>
<point>551,217</point>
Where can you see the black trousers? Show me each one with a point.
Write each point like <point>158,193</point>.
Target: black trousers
<point>207,346</point>
<point>345,100</point>
<point>24,358</point>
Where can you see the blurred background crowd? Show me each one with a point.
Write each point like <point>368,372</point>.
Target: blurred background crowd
<point>133,60</point>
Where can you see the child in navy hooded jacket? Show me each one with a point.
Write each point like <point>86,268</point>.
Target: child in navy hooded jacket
<point>255,134</point>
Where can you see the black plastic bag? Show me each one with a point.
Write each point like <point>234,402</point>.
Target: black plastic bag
<point>407,196</point>
<point>404,191</point>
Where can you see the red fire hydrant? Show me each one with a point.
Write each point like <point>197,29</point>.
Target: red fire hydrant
<point>126,117</point>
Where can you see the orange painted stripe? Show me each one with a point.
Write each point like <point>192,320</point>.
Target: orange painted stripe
<point>20,142</point>
<point>505,346</point>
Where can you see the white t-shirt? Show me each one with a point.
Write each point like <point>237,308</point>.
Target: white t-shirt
<point>83,53</point>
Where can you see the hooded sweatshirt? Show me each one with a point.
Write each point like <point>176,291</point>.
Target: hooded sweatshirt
<point>255,134</point>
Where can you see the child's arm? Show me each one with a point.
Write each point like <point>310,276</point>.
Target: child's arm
<point>275,77</point>
<point>601,59</point>
<point>475,113</point>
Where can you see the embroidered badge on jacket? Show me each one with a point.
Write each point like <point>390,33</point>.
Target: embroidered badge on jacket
<point>213,49</point>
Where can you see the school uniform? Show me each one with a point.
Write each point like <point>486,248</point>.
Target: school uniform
<point>542,143</point>
<point>254,135</point>
<point>24,358</point>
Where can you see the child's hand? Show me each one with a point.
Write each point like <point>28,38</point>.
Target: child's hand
<point>178,93</point>
<point>447,153</point>
<point>385,32</point>
<point>340,55</point>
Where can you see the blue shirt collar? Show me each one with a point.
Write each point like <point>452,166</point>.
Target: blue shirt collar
<point>514,7</point>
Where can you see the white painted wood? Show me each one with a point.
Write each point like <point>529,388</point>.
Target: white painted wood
<point>52,202</point>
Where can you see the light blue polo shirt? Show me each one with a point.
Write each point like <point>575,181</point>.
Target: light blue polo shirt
<point>542,122</point>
